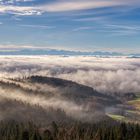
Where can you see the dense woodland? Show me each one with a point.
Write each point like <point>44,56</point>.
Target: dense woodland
<point>12,130</point>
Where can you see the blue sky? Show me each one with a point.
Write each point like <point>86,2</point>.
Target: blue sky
<point>85,25</point>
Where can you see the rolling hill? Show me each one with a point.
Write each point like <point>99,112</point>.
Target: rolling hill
<point>40,98</point>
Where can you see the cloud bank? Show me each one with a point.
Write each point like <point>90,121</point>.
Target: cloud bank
<point>107,75</point>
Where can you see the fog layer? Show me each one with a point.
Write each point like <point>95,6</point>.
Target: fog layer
<point>107,75</point>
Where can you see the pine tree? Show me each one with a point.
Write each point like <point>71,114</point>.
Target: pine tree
<point>47,135</point>
<point>25,135</point>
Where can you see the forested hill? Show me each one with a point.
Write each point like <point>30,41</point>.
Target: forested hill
<point>46,99</point>
<point>46,108</point>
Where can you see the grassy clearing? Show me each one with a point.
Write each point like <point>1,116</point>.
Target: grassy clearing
<point>138,95</point>
<point>133,112</point>
<point>135,103</point>
<point>130,114</point>
<point>116,117</point>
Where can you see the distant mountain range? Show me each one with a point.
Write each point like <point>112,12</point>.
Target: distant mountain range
<point>64,52</point>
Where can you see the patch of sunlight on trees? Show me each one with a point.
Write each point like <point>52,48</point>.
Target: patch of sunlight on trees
<point>116,117</point>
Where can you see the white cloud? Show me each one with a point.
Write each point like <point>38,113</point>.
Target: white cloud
<point>19,10</point>
<point>13,1</point>
<point>124,27</point>
<point>16,47</point>
<point>62,6</point>
<point>38,26</point>
<point>82,28</point>
<point>20,47</point>
<point>77,5</point>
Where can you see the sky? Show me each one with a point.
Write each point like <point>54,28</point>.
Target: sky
<point>81,25</point>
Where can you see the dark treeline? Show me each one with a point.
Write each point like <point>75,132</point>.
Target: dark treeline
<point>12,130</point>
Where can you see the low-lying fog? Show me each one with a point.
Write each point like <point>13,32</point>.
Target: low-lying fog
<point>22,98</point>
<point>107,75</point>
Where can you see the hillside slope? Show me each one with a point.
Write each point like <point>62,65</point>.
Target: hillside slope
<point>45,98</point>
